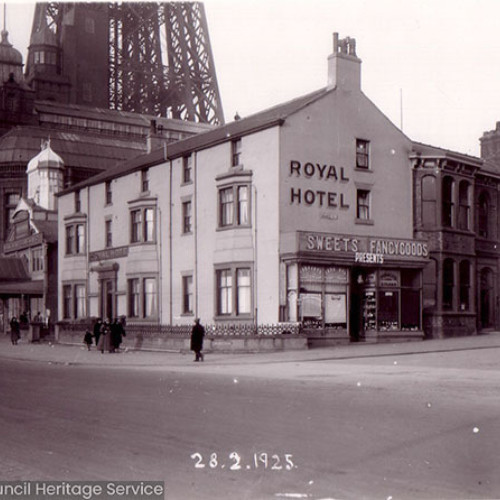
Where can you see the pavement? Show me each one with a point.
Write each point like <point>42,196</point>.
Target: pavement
<point>75,354</point>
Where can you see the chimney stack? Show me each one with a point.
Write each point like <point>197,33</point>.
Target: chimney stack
<point>344,66</point>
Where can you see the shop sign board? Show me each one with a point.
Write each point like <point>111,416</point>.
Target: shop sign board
<point>362,249</point>
<point>108,254</point>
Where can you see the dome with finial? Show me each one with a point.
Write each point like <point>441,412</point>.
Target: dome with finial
<point>46,158</point>
<point>11,60</point>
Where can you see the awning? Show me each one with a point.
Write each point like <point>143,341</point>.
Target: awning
<point>21,288</point>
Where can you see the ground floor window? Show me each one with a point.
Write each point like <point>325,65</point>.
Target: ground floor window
<point>74,300</point>
<point>142,297</point>
<point>234,291</point>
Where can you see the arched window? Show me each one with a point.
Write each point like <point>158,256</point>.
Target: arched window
<point>464,206</point>
<point>448,283</point>
<point>483,209</point>
<point>428,196</point>
<point>448,207</point>
<point>464,276</point>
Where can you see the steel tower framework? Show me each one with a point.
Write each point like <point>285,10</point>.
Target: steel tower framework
<point>160,60</point>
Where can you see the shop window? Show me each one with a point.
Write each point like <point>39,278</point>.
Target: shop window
<point>234,206</point>
<point>187,168</point>
<point>410,299</point>
<point>483,214</point>
<point>428,194</point>
<point>187,294</point>
<point>464,276</point>
<point>448,283</point>
<point>363,204</point>
<point>236,152</point>
<point>464,209</point>
<point>186,217</point>
<point>362,154</point>
<point>234,291</point>
<point>142,225</point>
<point>448,206</point>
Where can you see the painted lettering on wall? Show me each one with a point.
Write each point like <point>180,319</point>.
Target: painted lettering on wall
<point>318,197</point>
<point>331,243</point>
<point>391,247</point>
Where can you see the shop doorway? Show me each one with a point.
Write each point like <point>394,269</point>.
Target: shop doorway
<point>486,298</point>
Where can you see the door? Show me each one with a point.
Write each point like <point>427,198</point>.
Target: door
<point>108,299</point>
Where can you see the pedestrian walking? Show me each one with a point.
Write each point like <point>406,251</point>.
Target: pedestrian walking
<point>105,337</point>
<point>97,330</point>
<point>117,334</point>
<point>197,334</point>
<point>87,339</point>
<point>15,330</point>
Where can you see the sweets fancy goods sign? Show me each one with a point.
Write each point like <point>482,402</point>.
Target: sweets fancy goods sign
<point>362,249</point>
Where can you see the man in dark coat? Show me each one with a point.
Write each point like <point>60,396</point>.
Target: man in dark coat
<point>197,334</point>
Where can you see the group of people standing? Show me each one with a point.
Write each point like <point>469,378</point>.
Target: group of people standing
<point>15,325</point>
<point>107,335</point>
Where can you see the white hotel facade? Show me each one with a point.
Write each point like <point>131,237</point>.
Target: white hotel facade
<point>303,212</point>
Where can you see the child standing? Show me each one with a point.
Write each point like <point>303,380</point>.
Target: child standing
<point>87,339</point>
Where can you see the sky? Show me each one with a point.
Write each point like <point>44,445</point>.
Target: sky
<point>431,66</point>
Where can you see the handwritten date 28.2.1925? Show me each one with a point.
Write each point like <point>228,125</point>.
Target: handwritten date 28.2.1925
<point>235,461</point>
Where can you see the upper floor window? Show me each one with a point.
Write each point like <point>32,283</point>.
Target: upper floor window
<point>75,239</point>
<point>142,225</point>
<point>363,204</point>
<point>187,168</point>
<point>428,195</point>
<point>236,152</point>
<point>186,217</point>
<point>483,214</point>
<point>362,153</point>
<point>78,202</point>
<point>448,206</point>
<point>36,260</point>
<point>145,180</point>
<point>464,206</point>
<point>108,229</point>
<point>234,206</point>
<point>109,193</point>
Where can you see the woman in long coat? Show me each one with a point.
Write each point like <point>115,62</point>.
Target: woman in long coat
<point>197,334</point>
<point>15,330</point>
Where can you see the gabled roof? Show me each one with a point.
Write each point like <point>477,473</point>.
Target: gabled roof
<point>259,121</point>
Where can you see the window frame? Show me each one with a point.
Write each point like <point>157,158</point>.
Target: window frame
<point>187,216</point>
<point>145,180</point>
<point>137,297</point>
<point>143,230</point>
<point>108,193</point>
<point>236,149</point>
<point>108,232</point>
<point>363,154</point>
<point>229,298</point>
<point>232,208</point>
<point>187,169</point>
<point>187,295</point>
<point>74,304</point>
<point>366,206</point>
<point>72,241</point>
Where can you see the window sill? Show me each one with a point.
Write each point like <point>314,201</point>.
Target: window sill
<point>364,222</point>
<point>362,169</point>
<point>229,228</point>
<point>186,183</point>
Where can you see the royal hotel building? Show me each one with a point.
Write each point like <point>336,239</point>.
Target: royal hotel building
<point>319,211</point>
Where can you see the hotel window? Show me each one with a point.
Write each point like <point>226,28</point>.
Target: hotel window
<point>67,299</point>
<point>142,225</point>
<point>109,193</point>
<point>187,294</point>
<point>75,239</point>
<point>74,301</point>
<point>150,297</point>
<point>448,283</point>
<point>464,209</point>
<point>186,217</point>
<point>187,168</point>
<point>108,228</point>
<point>78,202</point>
<point>142,297</point>
<point>363,204</point>
<point>236,152</point>
<point>145,180</point>
<point>362,154</point>
<point>134,297</point>
<point>483,212</point>
<point>234,291</point>
<point>231,198</point>
<point>448,206</point>
<point>464,276</point>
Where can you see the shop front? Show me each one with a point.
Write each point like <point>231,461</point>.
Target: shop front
<point>345,288</point>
